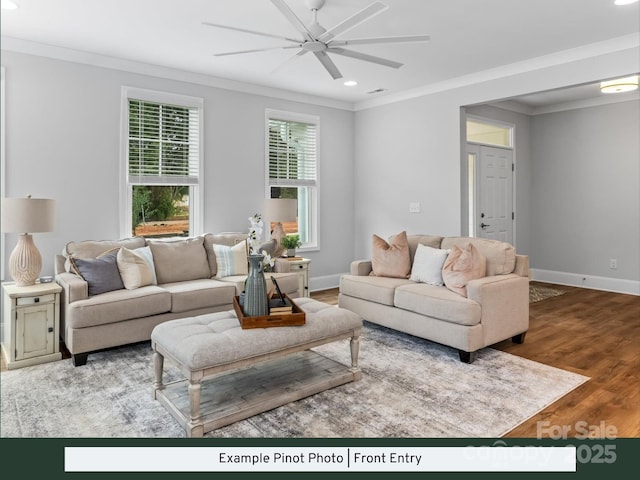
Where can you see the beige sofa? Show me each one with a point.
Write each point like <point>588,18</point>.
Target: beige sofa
<point>185,285</point>
<point>496,306</point>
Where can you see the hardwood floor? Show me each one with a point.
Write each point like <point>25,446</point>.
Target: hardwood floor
<point>590,332</point>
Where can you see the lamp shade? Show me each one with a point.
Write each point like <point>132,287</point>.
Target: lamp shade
<point>28,215</point>
<point>281,209</point>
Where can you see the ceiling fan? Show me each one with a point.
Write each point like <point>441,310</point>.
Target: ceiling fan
<point>321,42</point>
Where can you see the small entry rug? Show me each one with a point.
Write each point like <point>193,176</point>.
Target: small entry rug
<point>538,293</point>
<point>411,388</point>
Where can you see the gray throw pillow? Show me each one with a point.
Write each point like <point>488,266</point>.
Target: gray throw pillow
<point>100,273</point>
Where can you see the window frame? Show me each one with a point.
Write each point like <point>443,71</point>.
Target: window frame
<point>313,214</point>
<point>196,191</point>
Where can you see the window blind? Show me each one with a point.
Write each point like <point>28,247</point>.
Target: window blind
<point>292,153</point>
<point>163,146</point>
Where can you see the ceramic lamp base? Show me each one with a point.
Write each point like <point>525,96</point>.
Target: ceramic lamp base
<point>25,262</point>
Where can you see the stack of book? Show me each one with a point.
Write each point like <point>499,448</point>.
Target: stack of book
<point>278,307</point>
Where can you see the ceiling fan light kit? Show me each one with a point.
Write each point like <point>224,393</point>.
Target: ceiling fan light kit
<point>620,85</point>
<point>322,42</point>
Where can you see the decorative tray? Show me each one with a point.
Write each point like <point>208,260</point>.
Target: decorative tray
<point>297,317</point>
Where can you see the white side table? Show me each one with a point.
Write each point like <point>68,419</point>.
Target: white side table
<point>301,267</point>
<point>31,318</point>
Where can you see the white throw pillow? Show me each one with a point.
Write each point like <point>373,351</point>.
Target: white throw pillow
<point>427,265</point>
<point>134,269</point>
<point>231,260</point>
<point>145,252</point>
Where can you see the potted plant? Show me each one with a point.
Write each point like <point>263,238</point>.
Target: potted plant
<point>290,243</point>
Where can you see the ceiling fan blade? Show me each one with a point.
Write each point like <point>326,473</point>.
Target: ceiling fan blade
<point>293,19</point>
<point>328,64</point>
<point>244,30</point>
<point>354,20</point>
<point>365,57</point>
<point>368,41</point>
<point>255,50</point>
<point>289,60</point>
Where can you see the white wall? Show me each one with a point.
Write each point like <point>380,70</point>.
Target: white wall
<point>586,191</point>
<point>410,151</point>
<point>63,142</point>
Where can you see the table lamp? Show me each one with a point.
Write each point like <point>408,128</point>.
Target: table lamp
<point>22,215</point>
<point>280,210</point>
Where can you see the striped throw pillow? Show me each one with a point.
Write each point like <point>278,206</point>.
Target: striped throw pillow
<point>231,260</point>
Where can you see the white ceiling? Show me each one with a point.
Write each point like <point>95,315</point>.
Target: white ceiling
<point>467,37</point>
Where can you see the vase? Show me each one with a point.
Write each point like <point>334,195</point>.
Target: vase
<point>255,298</point>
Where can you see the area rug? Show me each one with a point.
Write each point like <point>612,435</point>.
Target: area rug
<point>538,293</point>
<point>410,388</point>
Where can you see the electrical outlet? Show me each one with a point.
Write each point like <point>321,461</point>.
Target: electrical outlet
<point>414,207</point>
<point>613,264</point>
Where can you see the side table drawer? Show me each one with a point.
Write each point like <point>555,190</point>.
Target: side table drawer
<point>21,301</point>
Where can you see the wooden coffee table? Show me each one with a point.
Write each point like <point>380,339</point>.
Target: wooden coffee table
<point>232,374</point>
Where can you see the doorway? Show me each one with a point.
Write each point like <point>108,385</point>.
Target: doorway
<point>491,166</point>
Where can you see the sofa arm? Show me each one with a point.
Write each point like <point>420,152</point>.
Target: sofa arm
<point>282,266</point>
<point>522,266</point>
<point>504,300</point>
<point>74,287</point>
<point>361,268</point>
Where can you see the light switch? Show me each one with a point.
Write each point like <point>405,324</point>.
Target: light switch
<point>414,207</point>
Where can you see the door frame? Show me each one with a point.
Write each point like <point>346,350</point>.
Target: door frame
<point>464,170</point>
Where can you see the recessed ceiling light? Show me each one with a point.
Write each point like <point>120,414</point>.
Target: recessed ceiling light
<point>625,2</point>
<point>619,85</point>
<point>8,5</point>
<point>350,83</point>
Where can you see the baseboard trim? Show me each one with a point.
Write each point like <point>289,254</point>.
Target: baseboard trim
<point>325,282</point>
<point>587,281</point>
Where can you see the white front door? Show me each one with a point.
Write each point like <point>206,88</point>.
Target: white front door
<point>494,210</point>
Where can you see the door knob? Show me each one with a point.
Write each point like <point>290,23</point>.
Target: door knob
<point>483,225</point>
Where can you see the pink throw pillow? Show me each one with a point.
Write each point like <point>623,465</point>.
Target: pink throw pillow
<point>391,260</point>
<point>463,266</point>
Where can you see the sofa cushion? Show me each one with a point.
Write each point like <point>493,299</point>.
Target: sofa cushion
<point>116,306</point>
<point>231,260</point>
<point>180,260</point>
<point>427,265</point>
<point>375,289</point>
<point>462,266</point>
<point>437,302</point>
<point>390,259</point>
<point>225,238</point>
<point>95,248</point>
<point>134,269</point>
<point>432,241</point>
<point>194,294</point>
<point>101,274</point>
<point>501,256</point>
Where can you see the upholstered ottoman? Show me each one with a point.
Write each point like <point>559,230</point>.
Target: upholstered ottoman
<point>233,373</point>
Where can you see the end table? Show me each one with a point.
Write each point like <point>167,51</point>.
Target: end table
<point>300,266</point>
<point>31,324</point>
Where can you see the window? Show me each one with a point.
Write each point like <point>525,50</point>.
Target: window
<point>488,133</point>
<point>292,169</point>
<point>162,163</point>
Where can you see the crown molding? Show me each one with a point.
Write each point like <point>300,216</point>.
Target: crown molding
<point>613,45</point>
<point>77,56</point>
<point>515,106</point>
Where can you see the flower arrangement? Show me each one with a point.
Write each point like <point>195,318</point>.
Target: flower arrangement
<point>254,241</point>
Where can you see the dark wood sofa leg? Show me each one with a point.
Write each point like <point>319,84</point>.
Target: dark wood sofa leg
<point>79,359</point>
<point>466,357</point>
<point>519,339</point>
